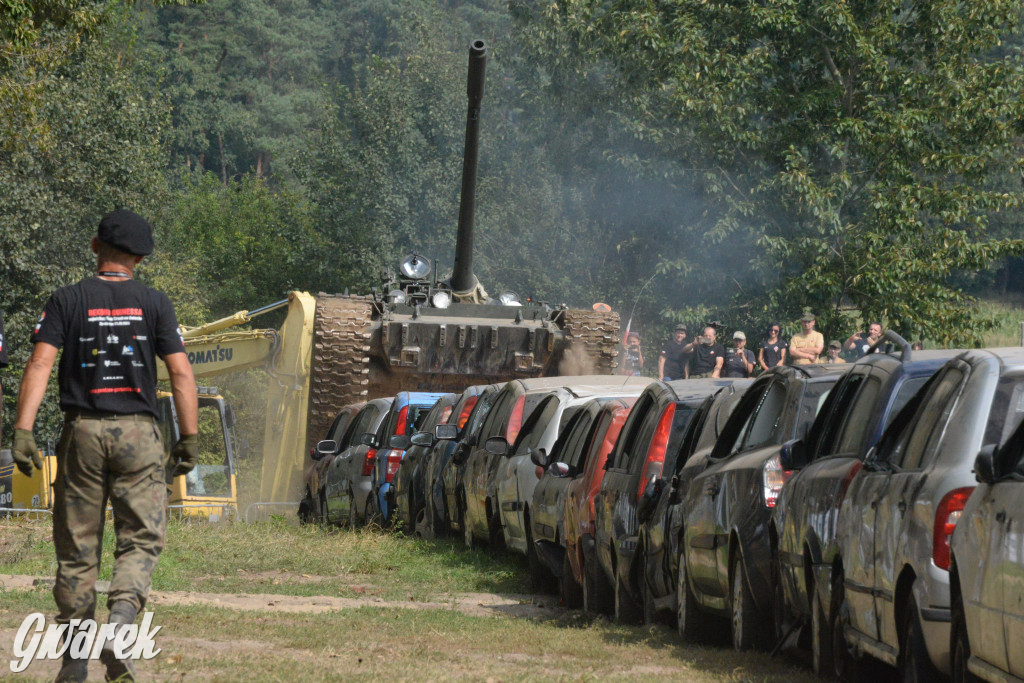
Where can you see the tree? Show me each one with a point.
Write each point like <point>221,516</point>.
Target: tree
<point>843,148</point>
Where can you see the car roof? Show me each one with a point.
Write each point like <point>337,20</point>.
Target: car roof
<point>1009,358</point>
<point>698,389</point>
<point>582,385</point>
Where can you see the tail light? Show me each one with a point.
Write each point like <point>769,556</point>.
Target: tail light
<point>403,418</point>
<point>515,420</point>
<point>445,414</point>
<point>946,516</point>
<point>774,478</point>
<point>656,451</point>
<point>466,410</point>
<point>371,456</point>
<point>539,471</point>
<point>394,460</point>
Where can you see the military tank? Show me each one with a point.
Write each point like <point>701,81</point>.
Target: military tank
<point>420,332</point>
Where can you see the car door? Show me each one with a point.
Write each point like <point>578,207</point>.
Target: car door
<point>702,496</point>
<point>1002,621</point>
<point>1011,563</point>
<point>858,513</point>
<point>894,509</point>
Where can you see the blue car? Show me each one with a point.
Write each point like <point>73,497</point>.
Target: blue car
<point>407,411</point>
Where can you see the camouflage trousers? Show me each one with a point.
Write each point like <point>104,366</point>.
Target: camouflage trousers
<point>119,459</point>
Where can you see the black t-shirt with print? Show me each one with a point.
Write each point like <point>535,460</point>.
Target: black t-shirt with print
<point>773,351</point>
<point>675,359</point>
<point>3,343</point>
<point>111,333</point>
<point>734,363</point>
<point>705,357</point>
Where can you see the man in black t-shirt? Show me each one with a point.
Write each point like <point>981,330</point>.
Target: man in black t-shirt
<point>739,361</point>
<point>708,355</point>
<point>112,329</point>
<point>673,360</point>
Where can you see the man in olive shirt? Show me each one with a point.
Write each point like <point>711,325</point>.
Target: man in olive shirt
<point>708,355</point>
<point>804,348</point>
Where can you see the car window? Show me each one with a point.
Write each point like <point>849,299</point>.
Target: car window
<point>906,391</point>
<point>689,441</point>
<point>575,456</point>
<point>560,449</point>
<point>736,427</point>
<point>821,439</point>
<point>535,425</point>
<point>855,426</point>
<point>680,422</point>
<point>480,412</point>
<point>763,426</point>
<point>362,424</point>
<point>495,421</point>
<point>638,449</point>
<point>630,434</point>
<point>338,426</point>
<point>930,424</point>
<point>1007,408</point>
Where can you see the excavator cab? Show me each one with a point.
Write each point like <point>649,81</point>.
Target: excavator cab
<point>210,490</point>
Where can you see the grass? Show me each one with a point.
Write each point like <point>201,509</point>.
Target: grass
<point>277,557</point>
<point>203,643</point>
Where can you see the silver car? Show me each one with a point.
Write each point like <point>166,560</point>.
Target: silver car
<point>347,483</point>
<point>987,566</point>
<point>891,578</point>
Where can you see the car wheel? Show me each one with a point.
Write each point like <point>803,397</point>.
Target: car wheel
<point>960,646</point>
<point>495,535</point>
<point>596,591</point>
<point>687,611</point>
<point>821,636</point>
<point>570,589</point>
<point>626,609</point>
<point>650,612</point>
<point>371,516</point>
<point>305,511</point>
<point>845,664</point>
<point>467,533</point>
<point>914,664</point>
<point>539,574</point>
<point>747,625</point>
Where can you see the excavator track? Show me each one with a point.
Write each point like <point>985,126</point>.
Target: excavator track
<point>593,342</point>
<point>340,372</point>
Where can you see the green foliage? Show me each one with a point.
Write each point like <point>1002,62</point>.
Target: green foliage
<point>843,148</point>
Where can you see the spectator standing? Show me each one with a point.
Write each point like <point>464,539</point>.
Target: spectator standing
<point>834,348</point>
<point>773,348</point>
<point>861,342</point>
<point>633,357</point>
<point>739,361</point>
<point>916,346</point>
<point>673,360</point>
<point>708,355</point>
<point>804,348</point>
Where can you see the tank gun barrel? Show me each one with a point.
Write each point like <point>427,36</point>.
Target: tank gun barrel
<point>463,279</point>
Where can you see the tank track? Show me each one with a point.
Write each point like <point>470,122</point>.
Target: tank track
<point>340,371</point>
<point>596,333</point>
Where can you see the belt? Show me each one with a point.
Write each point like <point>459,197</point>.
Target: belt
<point>76,414</point>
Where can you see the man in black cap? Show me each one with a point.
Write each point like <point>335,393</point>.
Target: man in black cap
<point>673,360</point>
<point>112,330</point>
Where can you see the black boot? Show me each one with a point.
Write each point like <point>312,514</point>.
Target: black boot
<point>123,615</point>
<point>72,670</point>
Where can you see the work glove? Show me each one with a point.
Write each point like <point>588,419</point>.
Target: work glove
<point>25,452</point>
<point>185,454</point>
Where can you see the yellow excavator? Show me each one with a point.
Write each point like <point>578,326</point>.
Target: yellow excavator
<point>210,491</point>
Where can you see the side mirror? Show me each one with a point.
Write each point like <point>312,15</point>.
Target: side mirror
<point>497,445</point>
<point>422,439</point>
<point>675,497</point>
<point>325,448</point>
<point>793,455</point>
<point>645,506</point>
<point>985,465</point>
<point>446,432</point>
<point>400,441</point>
<point>558,469</point>
<point>368,439</point>
<point>540,458</point>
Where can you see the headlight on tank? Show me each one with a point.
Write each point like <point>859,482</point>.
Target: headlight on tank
<point>415,267</point>
<point>509,299</point>
<point>441,300</point>
<point>396,296</point>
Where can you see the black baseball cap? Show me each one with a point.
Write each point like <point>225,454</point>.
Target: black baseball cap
<point>680,327</point>
<point>127,231</point>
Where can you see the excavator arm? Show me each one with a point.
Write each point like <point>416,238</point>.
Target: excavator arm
<point>217,349</point>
